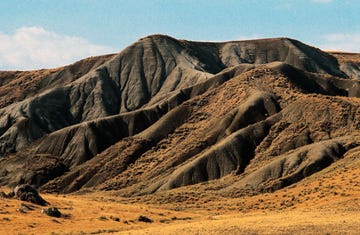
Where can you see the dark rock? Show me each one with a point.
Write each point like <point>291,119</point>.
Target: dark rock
<point>144,219</point>
<point>25,207</point>
<point>52,211</point>
<point>27,193</point>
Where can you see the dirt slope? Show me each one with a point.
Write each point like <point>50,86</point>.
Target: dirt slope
<point>250,116</point>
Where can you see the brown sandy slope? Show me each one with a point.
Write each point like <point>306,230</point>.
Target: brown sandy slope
<point>203,139</point>
<point>149,72</point>
<point>349,63</point>
<point>164,115</point>
<point>16,86</point>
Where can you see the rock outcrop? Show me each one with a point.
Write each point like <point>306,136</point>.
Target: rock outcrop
<point>25,192</point>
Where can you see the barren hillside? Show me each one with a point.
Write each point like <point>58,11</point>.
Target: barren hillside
<point>244,117</point>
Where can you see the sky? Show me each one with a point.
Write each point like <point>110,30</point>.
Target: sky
<point>37,34</point>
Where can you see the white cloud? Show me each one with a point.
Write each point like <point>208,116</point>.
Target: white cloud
<point>35,48</point>
<point>349,42</point>
<point>284,6</point>
<point>248,37</point>
<point>322,1</point>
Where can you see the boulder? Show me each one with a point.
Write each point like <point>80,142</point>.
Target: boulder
<point>52,211</point>
<point>25,192</point>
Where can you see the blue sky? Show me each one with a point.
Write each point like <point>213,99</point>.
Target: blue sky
<point>50,33</point>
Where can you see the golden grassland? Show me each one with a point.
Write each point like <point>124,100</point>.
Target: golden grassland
<point>346,56</point>
<point>326,203</point>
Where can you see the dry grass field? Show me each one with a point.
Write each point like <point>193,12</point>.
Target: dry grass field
<point>83,215</point>
<point>346,57</point>
<point>326,203</point>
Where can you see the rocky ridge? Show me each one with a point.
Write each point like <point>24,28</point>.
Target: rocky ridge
<point>167,113</point>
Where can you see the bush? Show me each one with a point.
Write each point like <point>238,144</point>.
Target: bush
<point>145,219</point>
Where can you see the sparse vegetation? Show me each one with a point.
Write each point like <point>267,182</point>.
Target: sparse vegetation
<point>143,218</point>
<point>103,218</point>
<point>117,219</point>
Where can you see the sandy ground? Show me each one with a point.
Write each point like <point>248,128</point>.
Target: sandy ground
<point>98,215</point>
<point>290,222</point>
<point>328,202</point>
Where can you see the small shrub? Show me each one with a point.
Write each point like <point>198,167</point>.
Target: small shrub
<point>117,219</point>
<point>145,219</point>
<point>102,218</point>
<point>164,221</point>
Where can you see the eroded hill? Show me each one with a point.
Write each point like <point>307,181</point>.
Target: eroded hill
<point>247,117</point>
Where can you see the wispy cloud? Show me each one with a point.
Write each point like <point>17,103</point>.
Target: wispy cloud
<point>248,37</point>
<point>349,42</point>
<point>322,1</point>
<point>283,6</point>
<point>35,48</point>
